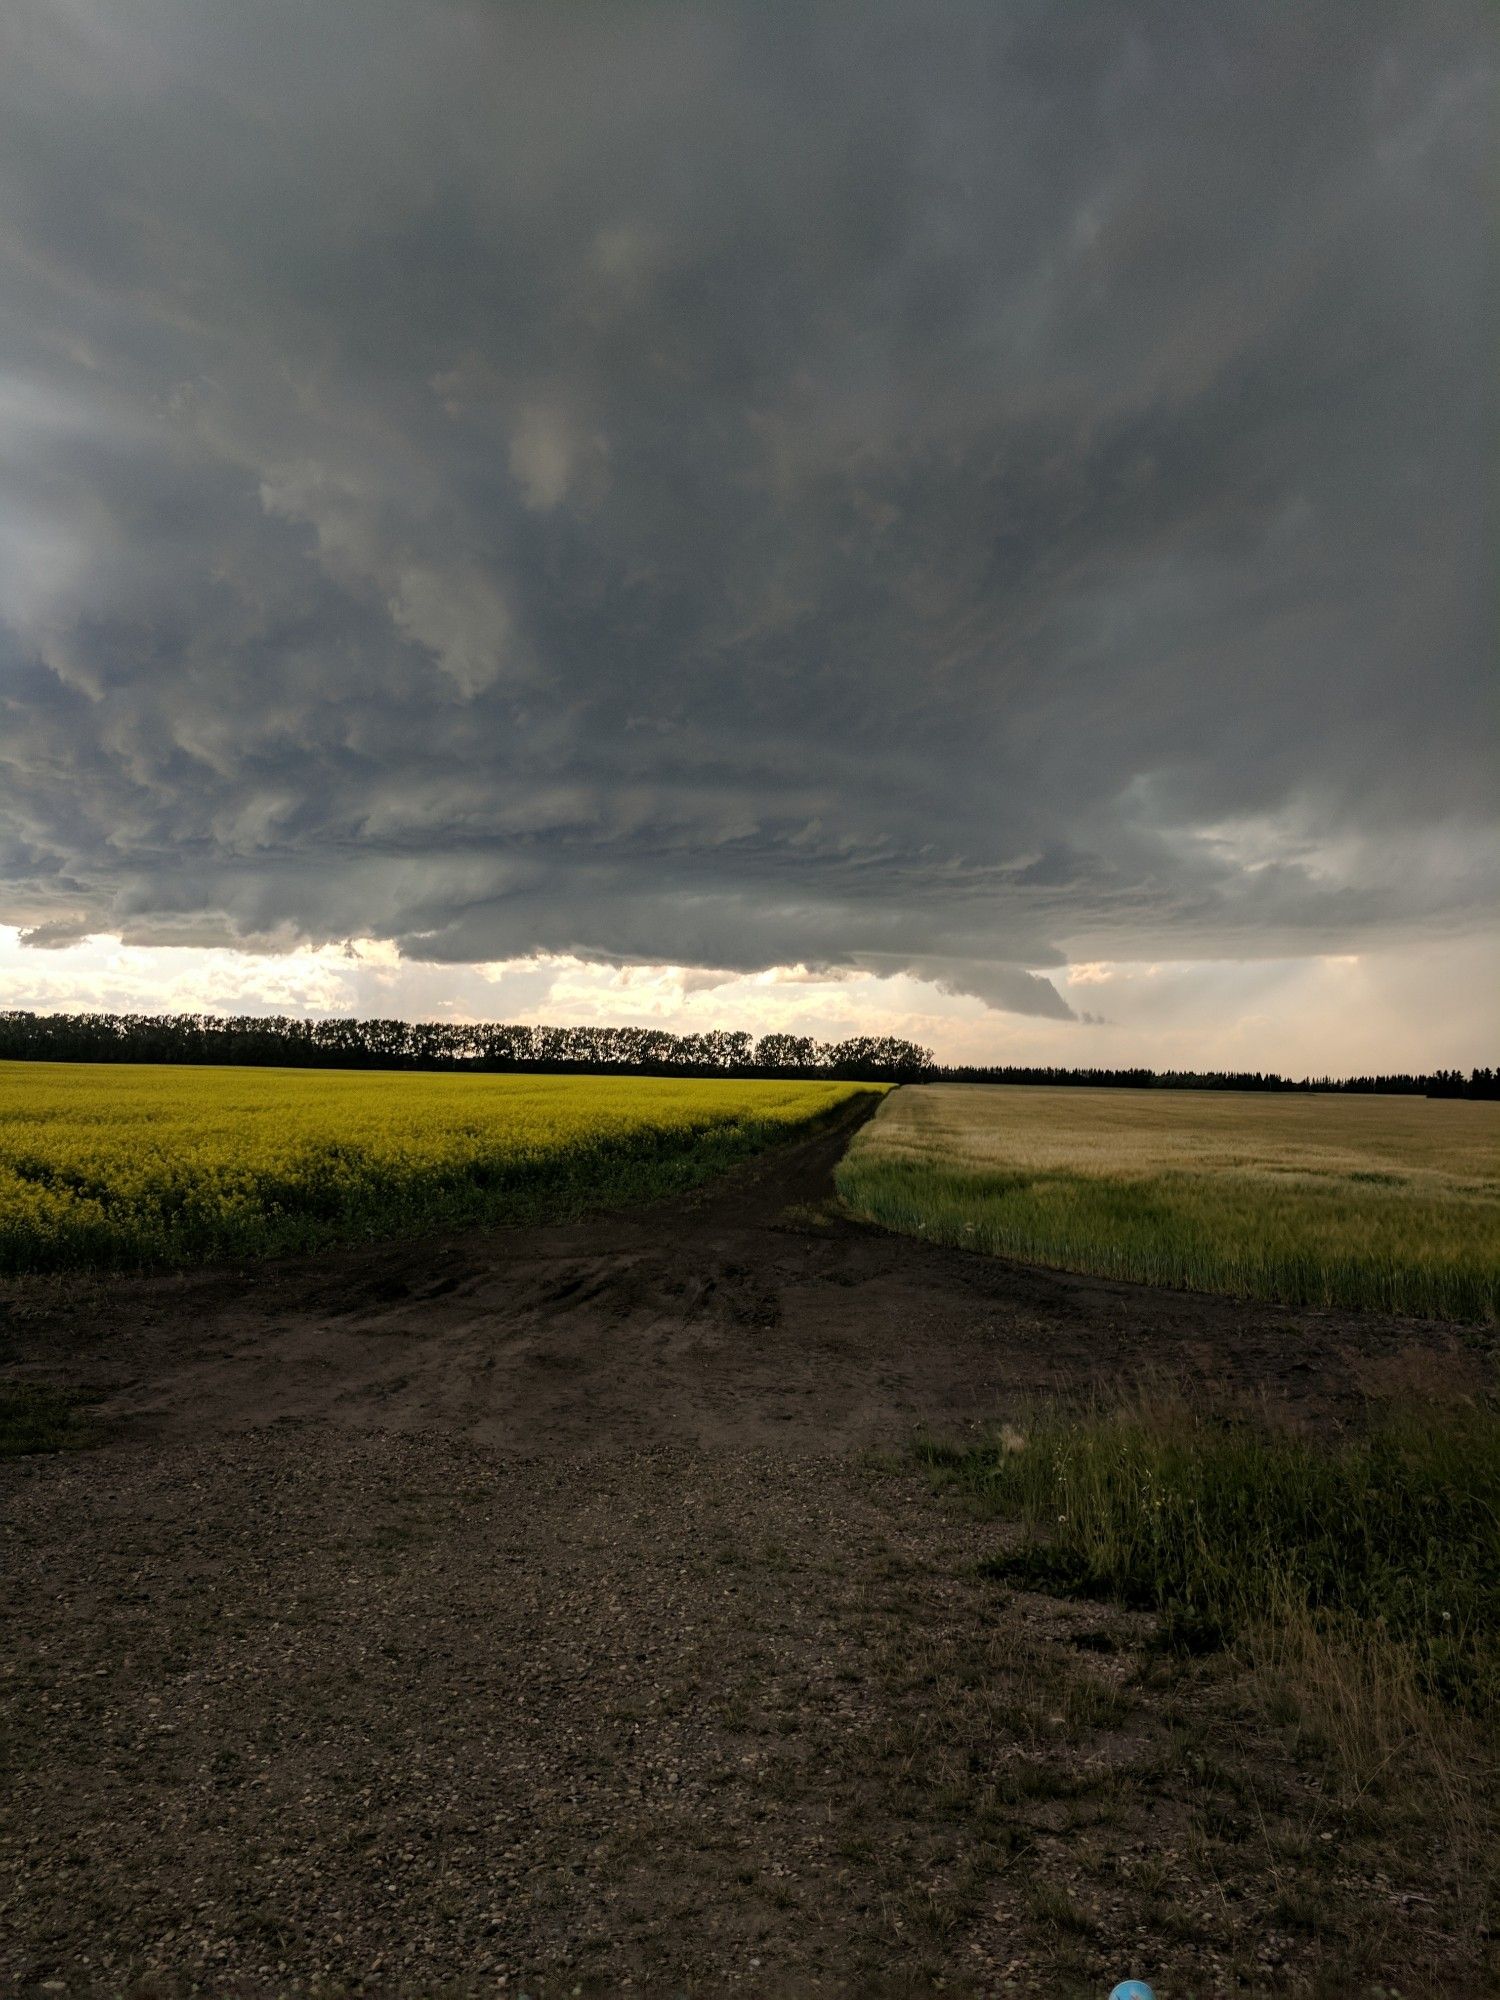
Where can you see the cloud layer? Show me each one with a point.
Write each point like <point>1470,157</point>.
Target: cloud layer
<point>947,490</point>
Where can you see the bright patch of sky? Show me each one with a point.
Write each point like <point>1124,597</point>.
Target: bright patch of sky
<point>1338,1014</point>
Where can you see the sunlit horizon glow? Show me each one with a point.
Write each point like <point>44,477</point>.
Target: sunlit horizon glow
<point>1339,1014</point>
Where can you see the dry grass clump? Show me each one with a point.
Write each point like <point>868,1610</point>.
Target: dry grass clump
<point>135,1165</point>
<point>1386,1203</point>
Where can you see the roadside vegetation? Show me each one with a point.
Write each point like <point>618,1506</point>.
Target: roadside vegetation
<point>1383,1545</point>
<point>1387,1203</point>
<point>1334,1602</point>
<point>130,1166</point>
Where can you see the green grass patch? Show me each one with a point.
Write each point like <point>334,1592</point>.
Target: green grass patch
<point>1364,1243</point>
<point>1226,1529</point>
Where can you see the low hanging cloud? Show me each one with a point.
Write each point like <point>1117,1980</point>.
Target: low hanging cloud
<point>949,490</point>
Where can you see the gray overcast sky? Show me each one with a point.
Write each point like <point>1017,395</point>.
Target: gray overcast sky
<point>936,490</point>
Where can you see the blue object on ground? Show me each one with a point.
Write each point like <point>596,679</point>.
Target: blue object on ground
<point>1132,1989</point>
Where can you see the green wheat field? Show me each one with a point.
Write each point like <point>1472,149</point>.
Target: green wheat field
<point>1391,1203</point>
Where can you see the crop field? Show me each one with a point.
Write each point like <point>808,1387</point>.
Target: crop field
<point>1391,1203</point>
<point>403,1613</point>
<point>104,1166</point>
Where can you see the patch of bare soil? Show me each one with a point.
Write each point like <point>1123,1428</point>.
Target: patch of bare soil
<point>546,1612</point>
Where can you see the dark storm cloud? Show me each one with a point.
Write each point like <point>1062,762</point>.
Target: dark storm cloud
<point>901,487</point>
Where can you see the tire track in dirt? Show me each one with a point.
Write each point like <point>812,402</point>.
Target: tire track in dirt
<point>522,1610</point>
<point>748,1312</point>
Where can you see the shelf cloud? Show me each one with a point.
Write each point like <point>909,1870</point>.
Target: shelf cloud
<point>942,490</point>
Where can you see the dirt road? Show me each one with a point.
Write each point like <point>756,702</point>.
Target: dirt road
<point>531,1612</point>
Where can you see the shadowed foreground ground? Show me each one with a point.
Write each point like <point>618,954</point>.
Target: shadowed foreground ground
<point>551,1610</point>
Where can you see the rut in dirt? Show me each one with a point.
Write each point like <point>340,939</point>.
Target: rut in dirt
<point>750,1312</point>
<point>518,1611</point>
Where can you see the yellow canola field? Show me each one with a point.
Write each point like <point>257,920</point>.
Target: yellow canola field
<point>134,1165</point>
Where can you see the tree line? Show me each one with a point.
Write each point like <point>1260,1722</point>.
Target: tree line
<point>1437,1083</point>
<point>283,1042</point>
<point>492,1047</point>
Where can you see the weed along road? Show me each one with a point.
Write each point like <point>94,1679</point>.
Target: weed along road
<point>548,1609</point>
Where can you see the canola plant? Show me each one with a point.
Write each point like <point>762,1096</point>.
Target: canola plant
<point>136,1165</point>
